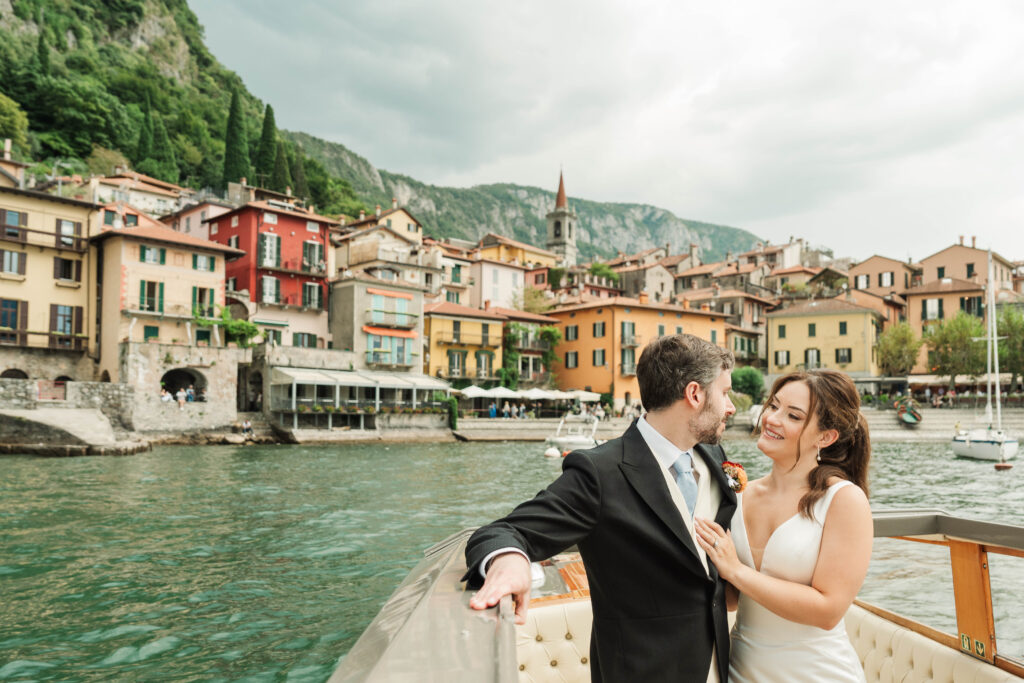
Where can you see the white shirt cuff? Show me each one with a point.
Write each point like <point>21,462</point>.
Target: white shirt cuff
<point>500,551</point>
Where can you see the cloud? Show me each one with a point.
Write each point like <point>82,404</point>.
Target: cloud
<point>867,127</point>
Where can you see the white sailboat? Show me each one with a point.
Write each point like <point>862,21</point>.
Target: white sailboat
<point>988,443</point>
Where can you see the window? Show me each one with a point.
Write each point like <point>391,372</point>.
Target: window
<point>13,224</point>
<point>269,250</point>
<point>203,336</point>
<point>13,319</point>
<point>234,221</point>
<point>485,333</point>
<point>313,256</point>
<point>540,278</point>
<point>312,295</point>
<point>108,217</point>
<point>972,305</point>
<point>151,296</point>
<point>628,358</point>
<point>571,332</point>
<point>13,262</point>
<point>62,320</point>
<point>313,226</point>
<point>233,241</point>
<point>679,329</point>
<point>457,331</point>
<point>661,330</point>
<point>456,363</point>
<point>232,284</point>
<point>273,336</point>
<point>204,262</point>
<point>782,358</point>
<point>782,331</point>
<point>940,272</point>
<point>66,231</point>
<point>598,358</point>
<point>844,355</point>
<point>457,274</point>
<point>203,301</point>
<point>932,309</point>
<point>67,269</point>
<point>598,330</point>
<point>812,359</point>
<point>304,339</point>
<point>812,329</point>
<point>970,270</point>
<point>188,224</point>
<point>270,288</point>
<point>152,255</point>
<point>130,220</point>
<point>151,332</point>
<point>628,330</point>
<point>861,282</point>
<point>571,359</point>
<point>451,297</point>
<point>714,336</point>
<point>558,228</point>
<point>885,279</point>
<point>494,276</point>
<point>410,227</point>
<point>842,327</point>
<point>213,226</point>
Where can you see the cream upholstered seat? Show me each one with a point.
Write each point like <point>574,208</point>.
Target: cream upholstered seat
<point>892,653</point>
<point>554,643</point>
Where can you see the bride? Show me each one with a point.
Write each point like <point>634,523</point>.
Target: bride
<point>801,536</point>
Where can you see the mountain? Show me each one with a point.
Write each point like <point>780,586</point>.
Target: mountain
<point>95,83</point>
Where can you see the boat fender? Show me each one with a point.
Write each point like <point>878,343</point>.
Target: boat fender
<point>551,452</point>
<point>566,452</point>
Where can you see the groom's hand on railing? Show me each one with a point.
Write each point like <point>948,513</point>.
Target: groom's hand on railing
<point>508,574</point>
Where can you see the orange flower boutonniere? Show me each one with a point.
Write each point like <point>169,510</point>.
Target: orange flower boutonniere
<point>736,475</point>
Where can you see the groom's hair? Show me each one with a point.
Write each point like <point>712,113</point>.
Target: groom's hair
<point>668,364</point>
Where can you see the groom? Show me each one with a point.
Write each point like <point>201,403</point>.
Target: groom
<point>659,606</point>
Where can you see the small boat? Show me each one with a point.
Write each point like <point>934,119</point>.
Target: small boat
<point>426,631</point>
<point>574,432</point>
<point>988,443</point>
<point>908,411</point>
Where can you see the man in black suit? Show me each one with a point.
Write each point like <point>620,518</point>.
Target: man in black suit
<point>659,606</point>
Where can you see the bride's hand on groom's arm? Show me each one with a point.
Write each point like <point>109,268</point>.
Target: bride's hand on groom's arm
<point>508,574</point>
<point>718,546</point>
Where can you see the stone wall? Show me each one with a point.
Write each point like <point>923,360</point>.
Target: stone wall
<point>115,401</point>
<point>212,369</point>
<point>46,363</point>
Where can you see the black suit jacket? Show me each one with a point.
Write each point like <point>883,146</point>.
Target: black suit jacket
<point>657,614</point>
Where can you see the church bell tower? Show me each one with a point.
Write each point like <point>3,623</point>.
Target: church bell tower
<point>562,228</point>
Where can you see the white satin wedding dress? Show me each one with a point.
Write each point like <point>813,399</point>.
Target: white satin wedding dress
<point>765,647</point>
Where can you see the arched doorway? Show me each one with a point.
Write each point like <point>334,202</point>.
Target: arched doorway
<point>183,378</point>
<point>105,377</point>
<point>64,378</point>
<point>13,373</point>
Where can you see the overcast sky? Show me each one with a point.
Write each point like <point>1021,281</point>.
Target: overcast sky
<point>869,127</point>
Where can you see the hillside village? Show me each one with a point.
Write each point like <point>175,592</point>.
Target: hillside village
<point>252,301</point>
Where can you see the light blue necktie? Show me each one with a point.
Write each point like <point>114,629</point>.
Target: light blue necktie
<point>682,468</point>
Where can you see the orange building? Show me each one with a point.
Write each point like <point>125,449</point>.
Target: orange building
<point>602,341</point>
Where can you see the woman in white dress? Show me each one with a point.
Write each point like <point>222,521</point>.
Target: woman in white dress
<point>801,536</point>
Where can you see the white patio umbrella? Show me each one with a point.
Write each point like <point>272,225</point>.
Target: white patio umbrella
<point>585,396</point>
<point>473,391</point>
<point>561,394</point>
<point>537,394</point>
<point>501,392</point>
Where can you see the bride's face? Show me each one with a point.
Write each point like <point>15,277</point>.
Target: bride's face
<point>786,427</point>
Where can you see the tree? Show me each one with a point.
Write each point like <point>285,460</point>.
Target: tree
<point>161,162</point>
<point>144,149</point>
<point>749,381</point>
<point>953,350</point>
<point>531,300</point>
<point>599,269</point>
<point>236,151</point>
<point>266,154</point>
<point>103,161</point>
<point>13,123</point>
<point>510,345</point>
<point>1011,349</point>
<point>300,187</point>
<point>282,179</point>
<point>898,348</point>
<point>42,50</point>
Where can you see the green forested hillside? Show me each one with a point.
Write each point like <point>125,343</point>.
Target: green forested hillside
<point>89,84</point>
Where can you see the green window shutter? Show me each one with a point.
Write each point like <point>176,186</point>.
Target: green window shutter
<point>211,299</point>
<point>142,294</point>
<point>142,253</point>
<point>277,290</point>
<point>261,248</point>
<point>277,250</point>
<point>163,256</point>
<point>305,295</point>
<point>195,261</point>
<point>195,297</point>
<point>940,309</point>
<point>161,304</point>
<point>213,263</point>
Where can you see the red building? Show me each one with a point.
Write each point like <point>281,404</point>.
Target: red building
<point>284,270</point>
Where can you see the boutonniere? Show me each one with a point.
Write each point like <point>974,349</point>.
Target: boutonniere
<point>736,475</point>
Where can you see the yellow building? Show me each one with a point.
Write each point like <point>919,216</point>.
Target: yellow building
<point>602,341</point>
<point>45,285</point>
<point>823,333</point>
<point>462,343</point>
<point>500,248</point>
<point>153,282</point>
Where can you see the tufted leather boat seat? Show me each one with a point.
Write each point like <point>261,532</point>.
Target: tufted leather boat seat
<point>554,645</point>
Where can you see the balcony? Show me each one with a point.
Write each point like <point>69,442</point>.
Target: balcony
<point>533,345</point>
<point>291,300</point>
<point>40,340</point>
<point>630,341</point>
<point>380,360</point>
<point>294,266</point>
<point>151,306</point>
<point>381,318</point>
<point>485,373</point>
<point>42,238</point>
<point>466,339</point>
<point>451,373</point>
<point>627,369</point>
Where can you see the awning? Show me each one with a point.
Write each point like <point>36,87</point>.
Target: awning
<point>319,377</point>
<point>388,380</point>
<point>388,292</point>
<point>427,382</point>
<point>272,323</point>
<point>388,332</point>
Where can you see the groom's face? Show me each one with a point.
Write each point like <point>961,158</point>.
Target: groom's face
<point>709,424</point>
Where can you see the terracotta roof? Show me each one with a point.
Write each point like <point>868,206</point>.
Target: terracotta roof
<point>910,266</point>
<point>894,298</point>
<point>561,201</point>
<point>631,257</point>
<point>702,269</point>
<point>947,284</point>
<point>153,230</point>
<point>373,218</point>
<point>46,196</point>
<point>670,261</point>
<point>626,301</point>
<point>448,308</point>
<point>767,249</point>
<point>513,243</point>
<point>506,264</point>
<point>363,276</point>
<point>140,185</point>
<point>794,269</point>
<point>709,293</point>
<point>630,269</point>
<point>265,206</point>
<point>513,314</point>
<point>150,180</point>
<point>196,205</point>
<point>821,307</point>
<point>344,237</point>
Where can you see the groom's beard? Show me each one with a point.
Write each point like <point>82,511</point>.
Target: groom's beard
<point>705,427</point>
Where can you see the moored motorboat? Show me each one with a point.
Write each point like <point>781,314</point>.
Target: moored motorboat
<point>427,631</point>
<point>574,432</point>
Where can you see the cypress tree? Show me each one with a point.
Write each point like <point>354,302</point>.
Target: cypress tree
<point>266,155</point>
<point>163,152</point>
<point>281,179</point>
<point>299,185</point>
<point>236,152</point>
<point>144,150</point>
<point>43,52</point>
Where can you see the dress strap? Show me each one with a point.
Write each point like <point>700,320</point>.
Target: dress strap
<point>821,507</point>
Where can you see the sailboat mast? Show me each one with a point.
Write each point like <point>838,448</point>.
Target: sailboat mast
<point>995,340</point>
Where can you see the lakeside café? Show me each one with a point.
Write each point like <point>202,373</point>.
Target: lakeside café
<point>543,402</point>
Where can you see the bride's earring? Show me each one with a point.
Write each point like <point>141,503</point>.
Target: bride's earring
<point>818,457</point>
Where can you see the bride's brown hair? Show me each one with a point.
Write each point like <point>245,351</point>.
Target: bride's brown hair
<point>836,405</point>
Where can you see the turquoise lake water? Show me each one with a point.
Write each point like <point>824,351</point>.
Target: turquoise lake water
<point>265,563</point>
